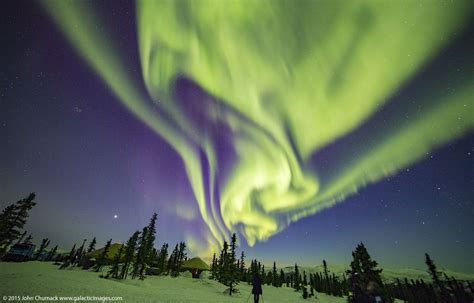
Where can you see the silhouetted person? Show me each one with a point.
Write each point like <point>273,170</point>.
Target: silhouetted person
<point>256,288</point>
<point>373,293</point>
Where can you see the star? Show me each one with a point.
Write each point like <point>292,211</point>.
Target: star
<point>115,216</point>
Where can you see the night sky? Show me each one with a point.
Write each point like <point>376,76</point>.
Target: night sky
<point>98,170</point>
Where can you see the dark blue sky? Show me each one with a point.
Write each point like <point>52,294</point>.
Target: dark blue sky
<point>64,136</point>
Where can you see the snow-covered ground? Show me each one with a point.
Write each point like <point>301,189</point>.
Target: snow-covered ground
<point>45,279</point>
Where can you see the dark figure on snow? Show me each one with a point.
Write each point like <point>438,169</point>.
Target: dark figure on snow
<point>373,293</point>
<point>256,288</point>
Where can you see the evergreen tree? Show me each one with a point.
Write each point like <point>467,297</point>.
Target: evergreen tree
<point>12,220</point>
<point>345,290</point>
<point>102,260</point>
<point>114,271</point>
<point>242,266</point>
<point>232,269</point>
<point>311,285</point>
<point>237,267</point>
<point>21,237</point>
<point>305,280</point>
<point>69,258</point>
<point>182,255</point>
<point>145,249</point>
<point>129,254</point>
<point>432,270</point>
<point>178,256</point>
<point>162,258</point>
<point>335,286</point>
<point>51,253</point>
<point>363,270</point>
<point>91,245</point>
<point>251,271</point>
<point>153,256</point>
<point>274,280</point>
<point>172,261</point>
<point>72,252</point>
<point>214,267</point>
<point>317,282</point>
<point>140,260</point>
<point>281,280</point>
<point>150,240</point>
<point>364,266</point>
<point>221,264</point>
<point>28,239</point>
<point>305,292</point>
<point>44,244</point>
<point>79,253</point>
<point>326,284</point>
<point>268,278</point>
<point>296,279</point>
<point>7,232</point>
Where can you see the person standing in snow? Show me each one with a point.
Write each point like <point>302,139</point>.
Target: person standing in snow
<point>373,293</point>
<point>256,288</point>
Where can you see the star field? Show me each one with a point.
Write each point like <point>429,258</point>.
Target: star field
<point>99,171</point>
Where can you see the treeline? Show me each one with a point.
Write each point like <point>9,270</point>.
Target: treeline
<point>135,259</point>
<point>317,282</point>
<point>442,289</point>
<point>229,270</point>
<point>163,265</point>
<point>327,283</point>
<point>364,271</point>
<point>353,284</point>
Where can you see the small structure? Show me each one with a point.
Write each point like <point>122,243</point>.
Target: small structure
<point>196,266</point>
<point>90,258</point>
<point>20,252</point>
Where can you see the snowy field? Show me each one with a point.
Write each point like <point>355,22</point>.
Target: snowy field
<point>45,279</point>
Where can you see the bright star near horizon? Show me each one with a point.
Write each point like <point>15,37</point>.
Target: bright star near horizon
<point>115,216</point>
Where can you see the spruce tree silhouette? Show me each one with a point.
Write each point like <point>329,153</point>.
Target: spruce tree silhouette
<point>13,219</point>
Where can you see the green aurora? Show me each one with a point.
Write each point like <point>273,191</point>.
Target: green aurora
<point>291,78</point>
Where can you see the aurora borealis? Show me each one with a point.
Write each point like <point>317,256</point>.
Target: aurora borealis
<point>270,114</point>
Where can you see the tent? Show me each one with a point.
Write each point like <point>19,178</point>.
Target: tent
<point>196,266</point>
